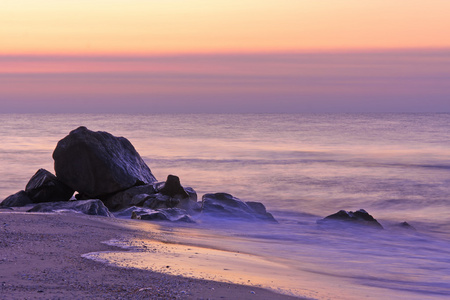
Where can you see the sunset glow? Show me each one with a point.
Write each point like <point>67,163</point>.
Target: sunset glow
<point>199,26</point>
<point>224,56</point>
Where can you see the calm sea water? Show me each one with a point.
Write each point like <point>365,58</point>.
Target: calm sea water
<point>302,167</point>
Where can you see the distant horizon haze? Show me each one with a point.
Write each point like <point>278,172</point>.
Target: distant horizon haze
<point>402,80</point>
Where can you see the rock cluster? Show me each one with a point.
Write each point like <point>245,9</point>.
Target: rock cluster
<point>108,174</point>
<point>42,187</point>
<point>360,219</point>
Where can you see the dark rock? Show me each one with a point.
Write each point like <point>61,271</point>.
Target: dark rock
<point>128,212</point>
<point>45,187</point>
<point>97,164</point>
<point>155,216</point>
<point>360,217</point>
<point>18,199</point>
<point>157,201</point>
<point>406,225</point>
<point>156,196</point>
<point>79,196</point>
<point>185,198</point>
<point>89,207</point>
<point>167,214</point>
<point>172,188</point>
<point>191,193</point>
<point>135,196</point>
<point>171,194</point>
<point>257,206</point>
<point>226,206</point>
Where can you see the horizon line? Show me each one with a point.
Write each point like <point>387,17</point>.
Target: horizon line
<point>380,50</point>
<point>230,113</point>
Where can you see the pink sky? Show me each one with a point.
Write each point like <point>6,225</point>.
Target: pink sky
<point>392,81</point>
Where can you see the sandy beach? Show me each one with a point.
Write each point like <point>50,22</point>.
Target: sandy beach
<point>41,258</point>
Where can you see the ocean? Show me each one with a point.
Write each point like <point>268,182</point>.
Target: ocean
<point>303,167</point>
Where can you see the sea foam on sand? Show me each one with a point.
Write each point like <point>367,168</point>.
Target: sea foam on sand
<point>195,253</point>
<point>41,258</point>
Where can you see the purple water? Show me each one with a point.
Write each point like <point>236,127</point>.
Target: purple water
<point>302,167</point>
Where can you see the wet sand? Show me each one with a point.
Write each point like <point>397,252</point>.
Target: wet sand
<point>41,258</point>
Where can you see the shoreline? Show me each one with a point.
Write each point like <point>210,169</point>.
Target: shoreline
<point>41,258</point>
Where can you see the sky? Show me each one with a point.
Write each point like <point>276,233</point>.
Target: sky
<point>158,56</point>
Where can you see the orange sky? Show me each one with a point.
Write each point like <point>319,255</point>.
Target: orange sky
<point>187,26</point>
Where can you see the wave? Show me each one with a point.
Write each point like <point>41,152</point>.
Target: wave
<point>271,161</point>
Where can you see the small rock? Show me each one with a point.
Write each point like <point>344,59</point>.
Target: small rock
<point>406,225</point>
<point>359,217</point>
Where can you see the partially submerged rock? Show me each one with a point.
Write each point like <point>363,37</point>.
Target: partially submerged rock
<point>171,194</point>
<point>158,200</point>
<point>405,225</point>
<point>224,205</point>
<point>18,199</point>
<point>360,217</point>
<point>45,187</point>
<point>89,207</point>
<point>167,214</point>
<point>97,164</point>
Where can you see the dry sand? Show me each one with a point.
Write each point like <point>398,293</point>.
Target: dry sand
<point>40,258</point>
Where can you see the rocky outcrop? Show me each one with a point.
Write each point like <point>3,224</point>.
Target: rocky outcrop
<point>168,194</point>
<point>89,207</point>
<point>224,205</point>
<point>100,166</point>
<point>171,194</point>
<point>18,199</point>
<point>97,164</point>
<point>360,217</point>
<point>45,187</point>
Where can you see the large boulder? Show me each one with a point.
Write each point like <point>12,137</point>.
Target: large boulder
<point>88,207</point>
<point>45,187</point>
<point>18,199</point>
<point>224,205</point>
<point>97,164</point>
<point>359,217</point>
